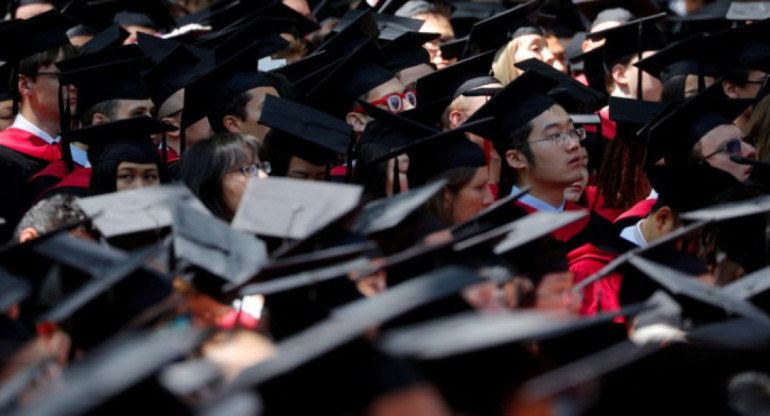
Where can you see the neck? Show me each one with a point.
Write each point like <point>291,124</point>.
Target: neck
<point>173,143</point>
<point>551,195</point>
<point>49,125</point>
<point>621,91</point>
<point>648,228</point>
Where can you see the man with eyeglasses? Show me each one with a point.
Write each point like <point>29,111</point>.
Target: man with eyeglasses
<point>32,142</point>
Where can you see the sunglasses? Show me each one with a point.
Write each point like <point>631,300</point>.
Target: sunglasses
<point>394,102</point>
<point>731,147</point>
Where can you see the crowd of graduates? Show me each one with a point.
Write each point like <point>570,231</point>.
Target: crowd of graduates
<point>384,207</point>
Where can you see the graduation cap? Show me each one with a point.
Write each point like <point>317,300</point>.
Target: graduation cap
<point>90,21</point>
<point>220,255</point>
<point>494,32</point>
<point>300,69</point>
<point>119,375</point>
<point>406,51</point>
<point>137,210</point>
<point>286,208</point>
<point>466,13</point>
<point>678,129</point>
<point>454,80</point>
<point>112,37</point>
<point>584,99</point>
<point>113,74</point>
<point>308,133</point>
<point>40,33</point>
<point>705,298</point>
<point>146,13</point>
<point>175,72</point>
<point>748,10</point>
<point>743,48</point>
<point>591,8</point>
<point>453,49</point>
<point>387,213</point>
<point>362,28</point>
<point>354,76</point>
<point>517,104</point>
<point>390,27</point>
<point>501,211</point>
<point>701,21</point>
<point>468,332</point>
<point>687,57</point>
<point>632,38</point>
<point>631,115</point>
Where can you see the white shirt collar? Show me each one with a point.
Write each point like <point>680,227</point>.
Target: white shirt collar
<point>79,156</point>
<point>634,234</point>
<point>653,194</point>
<point>22,123</point>
<point>537,204</point>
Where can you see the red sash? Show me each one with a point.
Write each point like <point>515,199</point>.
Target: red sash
<point>29,144</point>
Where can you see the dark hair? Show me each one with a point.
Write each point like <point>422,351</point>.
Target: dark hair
<point>457,179</point>
<point>29,66</point>
<point>50,214</point>
<point>625,61</point>
<point>621,178</point>
<point>206,163</point>
<point>278,156</point>
<point>236,107</point>
<point>109,108</point>
<point>519,140</point>
<point>373,177</point>
<point>104,176</point>
<point>673,89</point>
<point>737,76</point>
<point>283,86</point>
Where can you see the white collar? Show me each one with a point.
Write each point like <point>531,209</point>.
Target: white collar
<point>22,123</point>
<point>79,156</point>
<point>537,204</point>
<point>633,233</point>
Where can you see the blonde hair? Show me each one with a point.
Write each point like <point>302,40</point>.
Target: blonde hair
<point>758,127</point>
<point>502,66</point>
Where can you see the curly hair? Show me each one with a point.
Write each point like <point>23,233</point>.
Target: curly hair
<point>621,179</point>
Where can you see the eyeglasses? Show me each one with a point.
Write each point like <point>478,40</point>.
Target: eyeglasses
<point>563,137</point>
<point>759,81</point>
<point>394,102</point>
<point>253,169</point>
<point>731,147</point>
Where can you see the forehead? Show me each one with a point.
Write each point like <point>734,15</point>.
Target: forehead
<point>393,86</point>
<point>554,115</point>
<point>530,39</point>
<point>722,133</point>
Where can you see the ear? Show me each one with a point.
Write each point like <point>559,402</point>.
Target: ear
<point>456,118</point>
<point>446,198</point>
<point>516,159</point>
<point>28,234</point>
<point>173,135</point>
<point>664,220</point>
<point>25,85</point>
<point>99,118</point>
<point>619,75</point>
<point>232,123</point>
<point>357,121</point>
<point>730,89</point>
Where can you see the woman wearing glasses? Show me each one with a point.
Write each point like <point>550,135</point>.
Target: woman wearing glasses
<point>218,169</point>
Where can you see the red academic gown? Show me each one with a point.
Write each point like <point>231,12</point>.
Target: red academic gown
<point>601,296</point>
<point>22,155</point>
<point>75,184</point>
<point>595,201</point>
<point>635,213</point>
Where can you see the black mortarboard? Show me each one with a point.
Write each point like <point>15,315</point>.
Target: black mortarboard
<point>175,72</point>
<point>494,32</point>
<point>118,376</point>
<point>274,17</point>
<point>752,287</point>
<point>583,99</point>
<point>286,208</point>
<point>387,213</point>
<point>701,21</point>
<point>112,37</point>
<point>123,140</point>
<point>357,74</point>
<point>407,51</point>
<point>569,20</point>
<point>687,57</point>
<point>113,74</point>
<point>679,128</point>
<point>631,38</point>
<point>500,212</point>
<point>407,126</point>
<point>90,21</point>
<point>134,211</point>
<point>445,84</point>
<point>730,210</point>
<point>362,28</point>
<point>745,47</point>
<point>466,13</point>
<point>517,104</point>
<point>220,255</point>
<point>453,49</point>
<point>41,33</point>
<point>147,13</point>
<point>748,10</point>
<point>12,290</point>
<point>300,69</point>
<point>310,134</point>
<point>210,93</point>
<point>702,297</point>
<point>631,115</point>
<point>472,331</point>
<point>593,68</point>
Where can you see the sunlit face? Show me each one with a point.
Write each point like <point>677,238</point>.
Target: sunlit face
<point>26,11</point>
<point>136,175</point>
<point>714,141</point>
<point>558,52</point>
<point>235,181</point>
<point>133,108</point>
<point>435,23</point>
<point>302,169</point>
<point>409,76</point>
<point>533,46</point>
<point>575,191</point>
<point>472,198</point>
<point>43,91</point>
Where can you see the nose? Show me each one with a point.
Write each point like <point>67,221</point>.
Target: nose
<point>548,57</point>
<point>488,198</point>
<point>407,105</point>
